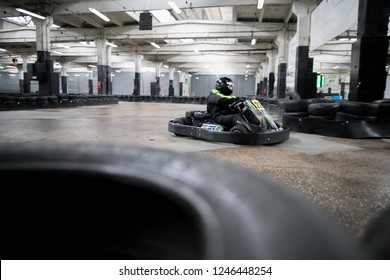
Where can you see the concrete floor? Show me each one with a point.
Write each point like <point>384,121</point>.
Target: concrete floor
<point>348,178</point>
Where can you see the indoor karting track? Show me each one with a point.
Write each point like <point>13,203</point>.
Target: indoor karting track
<point>348,178</point>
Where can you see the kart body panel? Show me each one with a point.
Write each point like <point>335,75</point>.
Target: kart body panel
<point>199,125</point>
<point>267,137</point>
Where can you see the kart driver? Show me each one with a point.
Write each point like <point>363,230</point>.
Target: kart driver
<point>218,105</point>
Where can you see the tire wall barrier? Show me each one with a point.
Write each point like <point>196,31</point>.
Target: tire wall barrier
<point>338,118</point>
<point>164,99</point>
<point>28,102</point>
<point>348,119</point>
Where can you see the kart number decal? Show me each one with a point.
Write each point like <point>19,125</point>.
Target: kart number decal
<point>212,127</point>
<point>257,104</point>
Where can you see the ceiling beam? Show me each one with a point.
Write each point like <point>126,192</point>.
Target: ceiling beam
<point>182,30</point>
<point>125,5</point>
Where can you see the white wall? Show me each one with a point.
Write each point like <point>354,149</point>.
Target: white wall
<point>331,18</point>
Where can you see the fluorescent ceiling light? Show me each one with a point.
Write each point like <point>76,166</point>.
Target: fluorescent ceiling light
<point>260,4</point>
<point>3,50</point>
<point>29,13</point>
<point>60,53</point>
<point>111,44</point>
<point>336,67</point>
<point>99,14</point>
<point>55,26</point>
<point>92,66</point>
<point>134,15</point>
<point>253,42</point>
<point>174,7</point>
<point>155,45</point>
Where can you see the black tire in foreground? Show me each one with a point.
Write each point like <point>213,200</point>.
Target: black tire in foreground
<point>86,201</point>
<point>376,238</point>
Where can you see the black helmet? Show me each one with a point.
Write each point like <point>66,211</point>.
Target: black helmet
<point>224,85</point>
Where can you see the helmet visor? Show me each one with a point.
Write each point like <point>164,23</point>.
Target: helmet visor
<point>230,85</point>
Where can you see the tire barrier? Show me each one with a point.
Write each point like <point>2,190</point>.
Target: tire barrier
<point>164,99</point>
<point>135,202</point>
<point>29,102</point>
<point>347,119</point>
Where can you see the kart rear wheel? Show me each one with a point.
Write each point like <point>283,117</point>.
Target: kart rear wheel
<point>182,120</point>
<point>238,129</point>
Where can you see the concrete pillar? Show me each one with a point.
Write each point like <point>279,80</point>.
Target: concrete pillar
<point>282,78</point>
<point>261,88</point>
<point>259,82</point>
<point>108,69</point>
<point>158,69</point>
<point>42,69</point>
<point>101,65</point>
<point>369,52</point>
<point>265,78</point>
<point>104,66</point>
<point>302,10</point>
<point>282,43</point>
<point>26,85</point>
<point>181,82</point>
<point>21,78</point>
<point>137,78</point>
<point>271,74</point>
<point>271,59</point>
<point>155,86</point>
<point>64,77</point>
<point>171,91</point>
<point>90,82</point>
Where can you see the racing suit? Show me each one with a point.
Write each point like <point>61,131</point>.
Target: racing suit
<point>218,107</point>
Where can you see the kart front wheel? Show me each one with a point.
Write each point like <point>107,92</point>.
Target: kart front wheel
<point>238,129</point>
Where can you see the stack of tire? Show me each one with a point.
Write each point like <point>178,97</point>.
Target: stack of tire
<point>295,108</point>
<point>384,109</point>
<point>340,118</point>
<point>353,110</point>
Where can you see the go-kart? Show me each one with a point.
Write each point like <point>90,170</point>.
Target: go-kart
<point>199,125</point>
